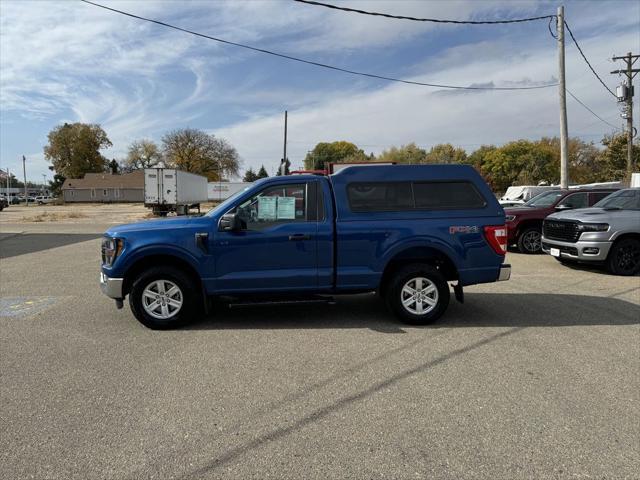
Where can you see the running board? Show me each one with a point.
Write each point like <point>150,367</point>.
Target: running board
<point>235,303</point>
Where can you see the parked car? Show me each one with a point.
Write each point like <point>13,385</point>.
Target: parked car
<point>4,203</point>
<point>519,194</point>
<point>524,224</point>
<point>404,231</point>
<point>607,234</point>
<point>43,199</point>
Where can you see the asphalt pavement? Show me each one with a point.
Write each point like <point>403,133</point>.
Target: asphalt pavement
<point>537,377</point>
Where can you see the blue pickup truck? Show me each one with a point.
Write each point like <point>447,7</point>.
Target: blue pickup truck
<point>403,231</point>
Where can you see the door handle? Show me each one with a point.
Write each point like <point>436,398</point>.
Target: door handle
<point>299,236</point>
<point>201,241</point>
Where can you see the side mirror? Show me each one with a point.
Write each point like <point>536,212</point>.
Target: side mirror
<point>230,222</point>
<point>564,207</point>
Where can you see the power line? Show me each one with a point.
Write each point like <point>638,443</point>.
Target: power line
<point>417,19</point>
<point>587,61</point>
<point>592,112</point>
<point>310,62</point>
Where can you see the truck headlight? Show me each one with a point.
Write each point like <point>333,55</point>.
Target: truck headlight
<point>593,227</point>
<point>111,248</point>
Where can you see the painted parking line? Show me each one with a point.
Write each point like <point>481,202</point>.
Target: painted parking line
<point>22,306</point>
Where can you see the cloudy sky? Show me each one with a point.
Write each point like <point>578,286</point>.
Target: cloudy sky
<point>69,61</point>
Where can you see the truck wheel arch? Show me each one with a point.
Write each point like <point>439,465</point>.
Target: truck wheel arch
<point>411,255</point>
<point>156,260</point>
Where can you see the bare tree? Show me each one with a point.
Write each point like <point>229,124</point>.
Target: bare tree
<point>142,154</point>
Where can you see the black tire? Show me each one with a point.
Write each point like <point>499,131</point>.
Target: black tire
<point>624,257</point>
<point>188,312</point>
<point>530,240</point>
<point>394,294</point>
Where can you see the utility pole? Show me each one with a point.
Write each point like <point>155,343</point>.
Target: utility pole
<point>284,155</point>
<point>625,94</point>
<point>44,182</point>
<point>8,183</point>
<point>24,174</point>
<point>564,134</point>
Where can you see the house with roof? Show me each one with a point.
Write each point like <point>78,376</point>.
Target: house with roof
<point>105,187</point>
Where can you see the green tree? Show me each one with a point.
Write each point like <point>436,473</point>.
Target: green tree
<point>55,185</point>
<point>446,153</point>
<point>613,159</point>
<point>262,173</point>
<point>336,152</point>
<point>197,152</point>
<point>519,163</point>
<point>410,153</point>
<point>74,149</point>
<point>250,176</point>
<point>142,154</point>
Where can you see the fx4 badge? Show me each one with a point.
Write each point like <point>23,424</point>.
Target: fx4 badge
<point>463,229</point>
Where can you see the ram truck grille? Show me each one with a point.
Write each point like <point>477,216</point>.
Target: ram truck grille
<point>561,230</point>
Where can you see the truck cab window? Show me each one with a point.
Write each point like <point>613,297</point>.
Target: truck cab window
<point>274,205</point>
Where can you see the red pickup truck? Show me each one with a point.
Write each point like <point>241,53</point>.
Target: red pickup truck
<point>524,224</point>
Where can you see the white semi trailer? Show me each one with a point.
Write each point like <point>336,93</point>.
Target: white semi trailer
<point>171,190</point>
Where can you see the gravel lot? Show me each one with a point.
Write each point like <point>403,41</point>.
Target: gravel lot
<point>538,377</point>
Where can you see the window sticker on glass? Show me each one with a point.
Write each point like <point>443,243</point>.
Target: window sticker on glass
<point>267,208</point>
<point>286,208</point>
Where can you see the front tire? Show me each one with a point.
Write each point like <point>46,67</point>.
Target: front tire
<point>164,297</point>
<point>624,257</point>
<point>418,294</point>
<point>530,241</point>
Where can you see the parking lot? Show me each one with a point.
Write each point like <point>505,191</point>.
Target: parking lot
<point>537,377</point>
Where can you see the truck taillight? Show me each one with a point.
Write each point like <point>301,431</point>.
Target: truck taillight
<point>496,236</point>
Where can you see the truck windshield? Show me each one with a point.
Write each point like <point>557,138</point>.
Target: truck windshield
<point>621,200</point>
<point>225,205</point>
<point>545,199</point>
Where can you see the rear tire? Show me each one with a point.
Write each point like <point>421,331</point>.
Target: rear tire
<point>530,240</point>
<point>624,257</point>
<point>418,294</point>
<point>164,297</point>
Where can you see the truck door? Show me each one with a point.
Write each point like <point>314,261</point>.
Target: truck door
<point>169,186</point>
<point>152,185</point>
<point>277,247</point>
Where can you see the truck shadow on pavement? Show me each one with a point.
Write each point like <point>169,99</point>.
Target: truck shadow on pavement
<point>12,245</point>
<point>479,310</point>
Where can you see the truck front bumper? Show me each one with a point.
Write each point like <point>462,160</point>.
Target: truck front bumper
<point>111,287</point>
<point>583,251</point>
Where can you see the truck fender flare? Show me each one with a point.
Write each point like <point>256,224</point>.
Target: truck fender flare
<point>141,253</point>
<point>423,242</point>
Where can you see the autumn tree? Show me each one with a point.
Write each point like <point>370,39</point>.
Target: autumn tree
<point>335,152</point>
<point>197,152</point>
<point>262,173</point>
<point>410,153</point>
<point>445,153</point>
<point>74,149</point>
<point>142,154</point>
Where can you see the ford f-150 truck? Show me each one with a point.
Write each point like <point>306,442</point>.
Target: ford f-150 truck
<point>403,231</point>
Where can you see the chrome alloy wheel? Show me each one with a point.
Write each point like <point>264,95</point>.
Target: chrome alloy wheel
<point>532,241</point>
<point>419,296</point>
<point>162,299</point>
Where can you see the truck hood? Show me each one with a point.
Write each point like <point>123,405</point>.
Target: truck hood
<point>592,214</point>
<point>165,223</point>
